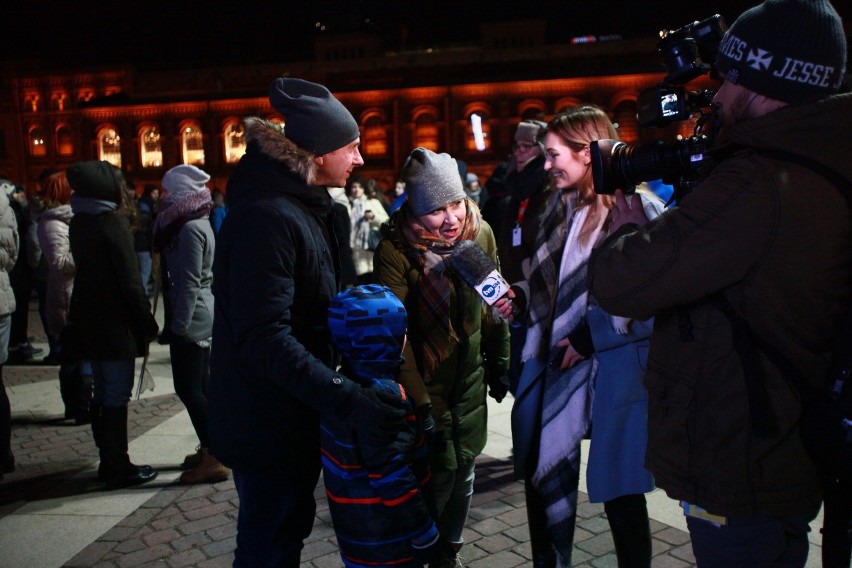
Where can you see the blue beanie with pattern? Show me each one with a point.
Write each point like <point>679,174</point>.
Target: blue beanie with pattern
<point>368,323</point>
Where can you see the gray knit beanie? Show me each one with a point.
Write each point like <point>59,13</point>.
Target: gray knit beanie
<point>313,118</point>
<point>431,181</point>
<point>183,180</point>
<point>790,50</point>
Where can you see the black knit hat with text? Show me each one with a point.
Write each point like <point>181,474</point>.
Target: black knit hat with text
<point>790,50</point>
<point>313,118</point>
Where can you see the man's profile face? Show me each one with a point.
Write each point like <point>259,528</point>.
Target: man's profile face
<point>334,168</point>
<point>734,103</point>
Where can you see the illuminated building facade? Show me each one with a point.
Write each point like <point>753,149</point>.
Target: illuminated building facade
<point>147,121</point>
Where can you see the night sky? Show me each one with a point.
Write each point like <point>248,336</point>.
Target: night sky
<point>150,33</point>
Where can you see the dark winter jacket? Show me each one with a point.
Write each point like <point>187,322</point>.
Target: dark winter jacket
<point>772,240</point>
<point>275,272</point>
<point>375,494</point>
<point>109,312</point>
<point>530,184</point>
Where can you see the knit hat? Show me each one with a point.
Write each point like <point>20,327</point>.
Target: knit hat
<point>182,180</point>
<point>97,179</point>
<point>7,187</point>
<point>431,181</point>
<point>314,119</point>
<point>368,323</point>
<point>528,131</point>
<point>790,50</point>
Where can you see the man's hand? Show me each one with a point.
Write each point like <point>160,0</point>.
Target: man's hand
<point>376,415</point>
<point>625,214</point>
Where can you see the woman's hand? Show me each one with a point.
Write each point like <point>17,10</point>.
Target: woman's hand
<point>506,307</point>
<point>571,356</point>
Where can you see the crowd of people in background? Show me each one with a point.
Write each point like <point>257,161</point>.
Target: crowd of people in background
<point>299,262</point>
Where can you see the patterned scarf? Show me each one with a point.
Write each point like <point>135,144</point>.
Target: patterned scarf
<point>558,304</point>
<point>429,251</point>
<point>176,213</point>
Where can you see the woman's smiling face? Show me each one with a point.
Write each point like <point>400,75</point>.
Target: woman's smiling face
<point>566,166</point>
<point>446,222</point>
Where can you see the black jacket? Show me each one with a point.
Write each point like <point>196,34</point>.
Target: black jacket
<point>109,310</point>
<point>275,272</point>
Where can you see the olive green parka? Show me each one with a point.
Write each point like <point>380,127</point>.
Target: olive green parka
<point>457,388</point>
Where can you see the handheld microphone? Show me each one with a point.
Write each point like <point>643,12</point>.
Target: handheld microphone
<point>479,271</point>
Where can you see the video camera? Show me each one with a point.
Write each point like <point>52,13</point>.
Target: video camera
<point>684,53</point>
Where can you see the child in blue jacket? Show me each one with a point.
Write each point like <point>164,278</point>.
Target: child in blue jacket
<point>376,494</point>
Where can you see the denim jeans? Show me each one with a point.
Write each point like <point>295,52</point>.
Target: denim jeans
<point>756,542</point>
<point>276,514</point>
<point>113,382</point>
<point>453,491</point>
<point>145,262</point>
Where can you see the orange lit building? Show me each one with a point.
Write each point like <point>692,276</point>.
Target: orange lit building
<point>147,121</point>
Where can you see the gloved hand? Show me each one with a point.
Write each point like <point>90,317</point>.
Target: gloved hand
<point>376,415</point>
<point>498,386</point>
<point>426,423</point>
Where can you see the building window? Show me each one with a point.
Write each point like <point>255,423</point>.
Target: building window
<point>57,101</point>
<point>192,145</point>
<point>64,141</point>
<point>235,142</point>
<point>426,132</point>
<point>375,140</point>
<point>109,146</point>
<point>38,147</point>
<point>151,150</point>
<point>477,132</point>
<point>31,102</point>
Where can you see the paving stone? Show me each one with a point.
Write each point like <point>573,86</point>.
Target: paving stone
<point>598,545</point>
<point>204,524</point>
<point>91,554</point>
<point>209,510</point>
<point>495,543</point>
<point>197,539</point>
<point>189,557</point>
<point>161,537</point>
<point>224,561</point>
<point>220,547</point>
<point>489,526</point>
<point>147,554</point>
<point>672,536</point>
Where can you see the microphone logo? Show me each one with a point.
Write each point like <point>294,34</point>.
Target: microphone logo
<point>492,287</point>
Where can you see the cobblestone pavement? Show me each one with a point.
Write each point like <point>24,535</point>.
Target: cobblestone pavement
<point>54,513</point>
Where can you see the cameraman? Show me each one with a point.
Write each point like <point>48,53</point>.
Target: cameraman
<point>748,278</point>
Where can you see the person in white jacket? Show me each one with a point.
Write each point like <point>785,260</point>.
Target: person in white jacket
<point>75,379</point>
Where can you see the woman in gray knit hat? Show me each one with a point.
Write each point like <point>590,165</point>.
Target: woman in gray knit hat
<point>457,346</point>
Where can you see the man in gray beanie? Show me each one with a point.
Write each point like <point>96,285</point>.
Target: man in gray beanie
<point>748,278</point>
<point>277,267</point>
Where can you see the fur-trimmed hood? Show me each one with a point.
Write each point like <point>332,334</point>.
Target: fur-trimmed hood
<point>272,142</point>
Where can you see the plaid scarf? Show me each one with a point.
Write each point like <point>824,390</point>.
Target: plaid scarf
<point>558,304</point>
<point>429,251</point>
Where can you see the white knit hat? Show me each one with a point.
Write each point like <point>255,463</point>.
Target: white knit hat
<point>182,180</point>
<point>7,187</point>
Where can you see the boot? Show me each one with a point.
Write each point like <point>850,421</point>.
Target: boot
<point>209,470</point>
<point>68,390</point>
<point>450,557</point>
<point>119,471</point>
<point>191,461</point>
<point>96,415</point>
<point>83,401</point>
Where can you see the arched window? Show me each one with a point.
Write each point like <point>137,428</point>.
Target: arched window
<point>235,142</point>
<point>64,141</point>
<point>426,131</point>
<point>192,145</point>
<point>150,147</point>
<point>37,142</point>
<point>477,131</point>
<point>375,140</point>
<point>109,146</point>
